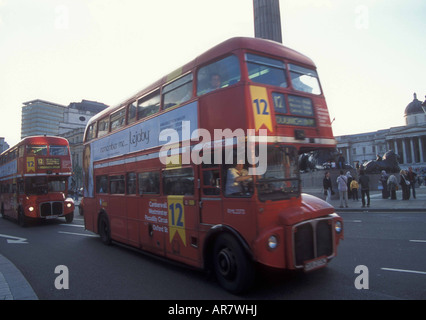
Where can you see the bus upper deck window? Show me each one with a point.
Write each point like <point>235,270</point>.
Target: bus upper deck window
<point>177,92</point>
<point>219,74</point>
<point>131,114</point>
<point>266,70</point>
<point>118,119</point>
<point>148,105</point>
<point>58,150</point>
<point>37,150</point>
<point>103,127</point>
<point>91,132</point>
<point>304,79</point>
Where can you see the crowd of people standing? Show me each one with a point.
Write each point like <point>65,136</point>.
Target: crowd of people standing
<point>349,187</point>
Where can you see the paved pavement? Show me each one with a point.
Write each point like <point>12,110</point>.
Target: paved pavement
<point>14,286</point>
<point>378,204</point>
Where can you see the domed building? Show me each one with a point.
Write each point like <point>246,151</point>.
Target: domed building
<point>414,113</point>
<point>408,142</point>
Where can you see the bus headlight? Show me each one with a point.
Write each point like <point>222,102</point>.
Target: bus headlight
<point>338,226</point>
<point>69,205</point>
<point>31,209</point>
<point>272,242</point>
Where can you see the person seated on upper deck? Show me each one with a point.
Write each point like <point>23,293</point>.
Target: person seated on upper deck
<point>235,179</point>
<point>215,82</point>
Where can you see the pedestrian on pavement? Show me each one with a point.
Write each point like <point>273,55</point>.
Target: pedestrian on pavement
<point>392,186</point>
<point>350,178</point>
<point>364,181</point>
<point>342,186</point>
<point>404,185</point>
<point>328,188</point>
<point>341,161</point>
<point>354,189</point>
<point>412,177</point>
<point>384,181</point>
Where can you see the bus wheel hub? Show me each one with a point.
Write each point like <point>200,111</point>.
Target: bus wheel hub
<point>226,263</point>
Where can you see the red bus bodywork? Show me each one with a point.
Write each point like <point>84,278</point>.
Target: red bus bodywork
<point>34,180</point>
<point>199,224</point>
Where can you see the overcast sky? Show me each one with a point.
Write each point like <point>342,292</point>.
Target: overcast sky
<point>370,54</point>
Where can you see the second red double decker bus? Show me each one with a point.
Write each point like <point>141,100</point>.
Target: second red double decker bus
<point>170,170</point>
<point>34,180</point>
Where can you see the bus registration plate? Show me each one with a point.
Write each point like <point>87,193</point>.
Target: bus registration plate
<point>51,217</point>
<point>315,264</point>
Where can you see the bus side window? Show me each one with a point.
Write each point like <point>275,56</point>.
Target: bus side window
<point>103,127</point>
<point>91,132</point>
<point>118,119</point>
<point>131,183</point>
<point>102,184</point>
<point>131,113</point>
<point>177,92</point>
<point>149,183</point>
<point>211,182</point>
<point>116,184</point>
<point>178,182</point>
<point>148,105</point>
<point>219,74</point>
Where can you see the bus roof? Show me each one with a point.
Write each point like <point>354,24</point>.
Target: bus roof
<point>41,140</point>
<point>232,44</point>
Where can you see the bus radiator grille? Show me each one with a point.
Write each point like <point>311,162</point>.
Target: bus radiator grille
<point>51,209</point>
<point>312,240</point>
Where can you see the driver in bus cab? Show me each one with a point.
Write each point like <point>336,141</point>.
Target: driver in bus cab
<point>236,179</point>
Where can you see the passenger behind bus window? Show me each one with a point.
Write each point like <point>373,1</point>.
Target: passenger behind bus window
<point>238,182</point>
<point>215,82</point>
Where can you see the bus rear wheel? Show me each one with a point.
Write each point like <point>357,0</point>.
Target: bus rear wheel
<point>233,269</point>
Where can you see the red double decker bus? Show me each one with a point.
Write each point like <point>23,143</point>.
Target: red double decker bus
<point>201,167</point>
<point>34,180</point>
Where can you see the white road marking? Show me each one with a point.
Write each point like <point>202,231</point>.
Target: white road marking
<point>13,239</point>
<point>79,234</point>
<point>406,271</point>
<point>72,225</point>
<point>421,241</point>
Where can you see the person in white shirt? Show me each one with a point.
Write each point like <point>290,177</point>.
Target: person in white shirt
<point>234,179</point>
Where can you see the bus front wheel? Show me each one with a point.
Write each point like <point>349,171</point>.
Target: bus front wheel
<point>69,217</point>
<point>233,269</point>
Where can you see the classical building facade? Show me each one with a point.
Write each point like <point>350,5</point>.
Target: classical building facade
<point>408,142</point>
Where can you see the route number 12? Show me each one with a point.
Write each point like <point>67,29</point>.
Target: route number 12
<point>261,106</point>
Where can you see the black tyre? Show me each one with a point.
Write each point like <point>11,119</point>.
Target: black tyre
<point>69,217</point>
<point>233,268</point>
<point>104,229</point>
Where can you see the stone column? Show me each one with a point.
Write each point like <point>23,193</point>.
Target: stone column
<point>267,20</point>
<point>404,151</point>
<point>413,155</point>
